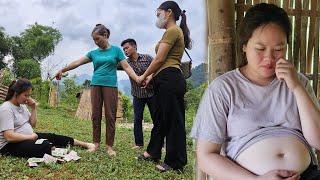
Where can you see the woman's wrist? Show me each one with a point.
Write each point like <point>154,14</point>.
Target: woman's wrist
<point>297,89</point>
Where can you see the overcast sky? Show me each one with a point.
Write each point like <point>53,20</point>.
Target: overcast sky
<point>75,19</point>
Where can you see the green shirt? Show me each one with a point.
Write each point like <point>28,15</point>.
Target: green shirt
<point>174,38</point>
<point>105,63</point>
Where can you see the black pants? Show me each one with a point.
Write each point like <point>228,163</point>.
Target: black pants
<point>169,122</point>
<point>138,107</point>
<point>28,148</point>
<point>311,173</point>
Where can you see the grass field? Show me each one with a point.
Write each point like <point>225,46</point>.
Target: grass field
<point>92,165</point>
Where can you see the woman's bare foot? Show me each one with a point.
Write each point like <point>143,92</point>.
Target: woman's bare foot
<point>110,151</point>
<point>146,154</point>
<point>91,147</point>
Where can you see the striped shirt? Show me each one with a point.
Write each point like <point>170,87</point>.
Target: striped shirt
<point>139,67</point>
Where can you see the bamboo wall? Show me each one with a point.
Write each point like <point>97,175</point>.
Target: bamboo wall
<point>303,49</point>
<point>3,92</point>
<point>3,88</point>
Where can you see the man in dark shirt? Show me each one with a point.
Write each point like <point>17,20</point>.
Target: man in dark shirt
<point>141,96</point>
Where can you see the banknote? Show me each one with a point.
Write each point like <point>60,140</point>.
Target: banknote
<point>35,160</point>
<point>32,164</point>
<point>40,141</point>
<point>71,156</point>
<point>49,159</point>
<point>59,152</point>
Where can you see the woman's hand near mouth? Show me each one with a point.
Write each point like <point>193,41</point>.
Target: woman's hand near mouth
<point>285,71</point>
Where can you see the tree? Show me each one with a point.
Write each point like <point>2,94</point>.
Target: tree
<point>70,91</point>
<point>4,47</point>
<point>86,83</point>
<point>7,77</point>
<point>37,42</point>
<point>27,68</point>
<point>199,75</point>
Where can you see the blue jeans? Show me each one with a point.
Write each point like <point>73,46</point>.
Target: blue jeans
<point>138,107</point>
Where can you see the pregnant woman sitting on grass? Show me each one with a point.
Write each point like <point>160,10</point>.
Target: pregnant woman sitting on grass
<point>17,137</point>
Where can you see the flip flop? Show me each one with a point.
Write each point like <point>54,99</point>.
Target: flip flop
<point>164,167</point>
<point>141,157</point>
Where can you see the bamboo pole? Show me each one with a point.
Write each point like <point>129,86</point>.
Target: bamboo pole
<point>316,55</point>
<point>289,5</point>
<point>304,39</point>
<point>311,35</point>
<point>276,2</point>
<point>256,1</point>
<point>240,14</point>
<point>297,36</point>
<point>221,37</point>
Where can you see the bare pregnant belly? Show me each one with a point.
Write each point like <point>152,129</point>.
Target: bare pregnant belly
<point>286,153</point>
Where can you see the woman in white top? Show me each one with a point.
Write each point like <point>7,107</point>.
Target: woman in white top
<point>17,137</point>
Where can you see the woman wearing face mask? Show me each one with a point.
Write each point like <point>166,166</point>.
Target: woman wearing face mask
<point>170,87</point>
<point>16,134</point>
<point>104,83</point>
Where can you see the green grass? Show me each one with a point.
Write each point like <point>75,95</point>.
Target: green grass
<point>92,165</point>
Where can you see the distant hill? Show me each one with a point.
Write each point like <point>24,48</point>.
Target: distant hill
<point>81,78</point>
<point>199,75</point>
<point>125,86</point>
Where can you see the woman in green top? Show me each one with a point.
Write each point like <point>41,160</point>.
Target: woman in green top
<point>104,83</point>
<point>170,87</point>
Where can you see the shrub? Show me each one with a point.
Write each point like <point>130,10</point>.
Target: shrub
<point>41,90</point>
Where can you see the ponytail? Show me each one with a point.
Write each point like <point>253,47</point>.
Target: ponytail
<point>185,30</point>
<point>10,92</point>
<point>174,7</point>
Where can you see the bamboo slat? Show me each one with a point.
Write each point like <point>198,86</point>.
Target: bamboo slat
<point>303,50</point>
<point>289,5</point>
<point>290,12</point>
<point>256,1</point>
<point>240,15</point>
<point>316,52</point>
<point>297,36</point>
<point>311,41</point>
<point>276,2</point>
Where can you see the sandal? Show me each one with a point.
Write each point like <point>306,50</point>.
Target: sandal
<point>143,158</point>
<point>163,167</point>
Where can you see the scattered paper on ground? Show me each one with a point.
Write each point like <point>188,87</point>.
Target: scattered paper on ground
<point>58,155</point>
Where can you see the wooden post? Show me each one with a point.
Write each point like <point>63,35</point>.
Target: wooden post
<point>53,96</point>
<point>221,54</point>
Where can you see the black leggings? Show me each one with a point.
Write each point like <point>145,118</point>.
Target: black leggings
<point>28,148</point>
<point>169,121</point>
<point>311,173</point>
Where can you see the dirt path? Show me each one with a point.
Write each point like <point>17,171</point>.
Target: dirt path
<point>146,126</point>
